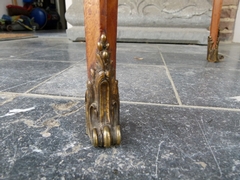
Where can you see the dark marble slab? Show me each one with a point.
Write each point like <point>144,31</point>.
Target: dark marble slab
<point>139,57</point>
<point>20,76</point>
<point>207,86</point>
<point>145,84</point>
<point>60,33</point>
<point>142,47</point>
<point>183,59</point>
<point>13,53</point>
<point>70,83</point>
<point>78,46</point>
<point>126,52</point>
<point>199,60</point>
<point>231,54</point>
<point>136,83</point>
<point>181,48</point>
<point>47,140</point>
<point>53,54</point>
<point>34,43</point>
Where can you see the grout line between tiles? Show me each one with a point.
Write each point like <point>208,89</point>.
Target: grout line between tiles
<point>183,106</point>
<point>49,79</point>
<point>171,81</point>
<point>122,102</point>
<point>225,55</point>
<point>52,61</point>
<point>32,81</point>
<point>41,96</point>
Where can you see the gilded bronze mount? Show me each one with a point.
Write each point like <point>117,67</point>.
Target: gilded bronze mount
<point>212,51</point>
<point>102,100</point>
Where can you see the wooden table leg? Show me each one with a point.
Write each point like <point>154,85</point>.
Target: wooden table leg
<point>213,39</point>
<point>102,98</point>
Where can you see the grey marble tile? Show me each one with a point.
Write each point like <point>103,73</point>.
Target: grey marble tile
<point>13,53</point>
<point>51,33</point>
<point>230,55</point>
<point>183,59</point>
<point>34,43</point>
<point>136,83</point>
<point>180,48</point>
<point>47,140</point>
<point>198,60</point>
<point>120,46</point>
<point>230,50</point>
<point>229,46</point>
<point>78,46</point>
<point>207,86</point>
<point>142,47</point>
<point>70,83</point>
<point>53,54</point>
<point>139,57</point>
<point>19,76</point>
<point>5,98</point>
<point>145,84</point>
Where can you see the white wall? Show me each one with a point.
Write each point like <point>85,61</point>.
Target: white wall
<point>236,37</point>
<point>20,2</point>
<point>4,3</point>
<point>68,3</point>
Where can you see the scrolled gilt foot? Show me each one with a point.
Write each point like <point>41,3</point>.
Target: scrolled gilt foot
<point>102,100</point>
<point>106,136</point>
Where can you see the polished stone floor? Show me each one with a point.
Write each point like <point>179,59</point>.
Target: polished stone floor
<point>180,115</point>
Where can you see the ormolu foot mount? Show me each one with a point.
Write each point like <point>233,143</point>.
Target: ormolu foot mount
<point>212,52</point>
<point>102,100</point>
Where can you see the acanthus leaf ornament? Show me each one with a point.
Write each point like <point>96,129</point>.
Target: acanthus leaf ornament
<point>212,51</point>
<point>102,100</point>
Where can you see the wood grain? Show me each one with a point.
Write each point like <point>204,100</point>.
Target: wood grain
<point>100,16</point>
<point>216,13</point>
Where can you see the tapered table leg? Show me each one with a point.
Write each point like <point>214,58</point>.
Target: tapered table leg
<point>102,98</point>
<point>213,39</point>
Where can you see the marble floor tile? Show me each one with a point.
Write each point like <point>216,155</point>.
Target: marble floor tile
<point>199,61</point>
<point>70,83</point>
<point>145,84</point>
<point>142,47</point>
<point>46,139</point>
<point>207,86</point>
<point>186,60</point>
<point>53,54</point>
<point>231,54</point>
<point>20,76</point>
<point>14,53</point>
<point>76,46</point>
<point>181,48</point>
<point>139,57</point>
<point>52,33</point>
<point>126,53</point>
<point>34,43</point>
<point>136,83</point>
